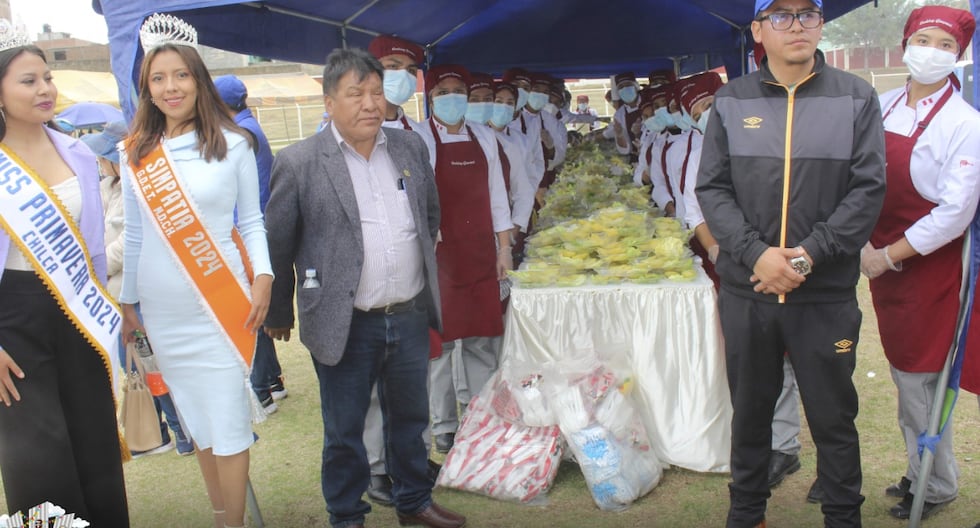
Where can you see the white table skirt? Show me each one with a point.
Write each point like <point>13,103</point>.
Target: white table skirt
<point>670,335</point>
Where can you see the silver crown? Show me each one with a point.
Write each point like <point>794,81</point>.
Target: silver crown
<point>159,29</point>
<point>12,36</point>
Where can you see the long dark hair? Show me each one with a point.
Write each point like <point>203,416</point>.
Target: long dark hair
<point>8,56</point>
<point>209,118</point>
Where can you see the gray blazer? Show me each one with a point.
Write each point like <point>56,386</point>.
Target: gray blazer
<point>313,223</point>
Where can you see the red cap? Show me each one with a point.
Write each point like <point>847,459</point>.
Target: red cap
<point>445,71</point>
<point>516,75</point>
<point>664,91</point>
<point>539,78</point>
<point>480,80</point>
<point>625,77</point>
<point>384,45</point>
<point>582,98</point>
<point>697,87</point>
<point>646,97</point>
<point>557,87</point>
<point>956,22</point>
<point>504,85</point>
<point>661,77</point>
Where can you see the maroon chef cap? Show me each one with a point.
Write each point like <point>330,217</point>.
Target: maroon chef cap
<point>956,22</point>
<point>384,45</point>
<point>516,75</point>
<point>661,77</point>
<point>504,85</point>
<point>445,71</point>
<point>665,91</point>
<point>698,87</point>
<point>625,77</point>
<point>646,97</point>
<point>480,80</point>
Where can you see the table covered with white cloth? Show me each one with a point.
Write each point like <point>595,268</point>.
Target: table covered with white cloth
<point>669,335</point>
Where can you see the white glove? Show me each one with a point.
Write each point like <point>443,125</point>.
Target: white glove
<point>875,262</point>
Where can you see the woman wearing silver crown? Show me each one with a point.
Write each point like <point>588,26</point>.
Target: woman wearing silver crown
<point>58,435</point>
<point>187,169</point>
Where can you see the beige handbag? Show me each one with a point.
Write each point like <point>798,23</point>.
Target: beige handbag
<point>138,415</point>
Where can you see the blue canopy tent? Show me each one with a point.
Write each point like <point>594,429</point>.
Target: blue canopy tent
<point>567,38</point>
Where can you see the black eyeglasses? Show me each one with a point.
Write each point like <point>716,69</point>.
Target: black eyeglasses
<point>784,21</point>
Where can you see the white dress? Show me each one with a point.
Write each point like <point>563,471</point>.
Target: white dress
<point>206,376</point>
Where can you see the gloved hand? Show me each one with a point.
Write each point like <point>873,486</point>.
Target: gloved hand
<point>875,262</point>
<point>713,253</point>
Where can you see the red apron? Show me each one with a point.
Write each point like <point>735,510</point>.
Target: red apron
<point>467,255</point>
<point>916,307</point>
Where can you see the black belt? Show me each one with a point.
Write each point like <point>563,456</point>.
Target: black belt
<point>392,309</point>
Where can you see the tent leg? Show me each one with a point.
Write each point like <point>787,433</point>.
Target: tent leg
<point>253,505</point>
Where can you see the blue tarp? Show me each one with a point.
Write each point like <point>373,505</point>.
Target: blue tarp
<point>567,38</point>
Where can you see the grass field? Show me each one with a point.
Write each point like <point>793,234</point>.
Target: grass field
<point>167,490</point>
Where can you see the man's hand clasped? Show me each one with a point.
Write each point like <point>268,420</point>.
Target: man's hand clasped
<point>773,272</point>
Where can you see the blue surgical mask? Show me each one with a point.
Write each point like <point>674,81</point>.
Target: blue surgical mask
<point>703,120</point>
<point>522,96</point>
<point>582,107</point>
<point>501,115</point>
<point>664,116</point>
<point>399,85</point>
<point>449,108</point>
<point>479,112</point>
<point>537,100</point>
<point>628,94</point>
<point>654,124</point>
<point>681,121</point>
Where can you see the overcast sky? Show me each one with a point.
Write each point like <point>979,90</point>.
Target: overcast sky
<point>67,16</point>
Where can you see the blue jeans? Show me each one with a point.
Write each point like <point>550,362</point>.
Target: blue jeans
<point>265,366</point>
<point>164,404</point>
<point>394,351</point>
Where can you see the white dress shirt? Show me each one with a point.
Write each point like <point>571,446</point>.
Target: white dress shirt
<point>485,136</point>
<point>675,166</point>
<point>521,191</point>
<point>392,270</point>
<point>530,125</point>
<point>663,141</point>
<point>945,168</point>
<point>620,117</point>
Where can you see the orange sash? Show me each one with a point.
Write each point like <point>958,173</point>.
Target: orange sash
<point>175,217</point>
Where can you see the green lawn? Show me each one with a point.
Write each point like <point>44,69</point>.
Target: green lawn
<point>167,490</point>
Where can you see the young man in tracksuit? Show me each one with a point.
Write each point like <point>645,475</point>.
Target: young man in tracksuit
<point>791,181</point>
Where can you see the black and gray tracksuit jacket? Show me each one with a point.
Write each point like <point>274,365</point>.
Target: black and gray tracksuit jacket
<point>784,167</point>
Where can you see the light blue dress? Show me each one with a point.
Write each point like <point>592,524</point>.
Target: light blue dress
<point>206,376</point>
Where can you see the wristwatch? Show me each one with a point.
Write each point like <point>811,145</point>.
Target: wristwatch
<point>801,265</point>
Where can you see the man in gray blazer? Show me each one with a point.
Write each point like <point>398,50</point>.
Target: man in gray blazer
<point>354,211</point>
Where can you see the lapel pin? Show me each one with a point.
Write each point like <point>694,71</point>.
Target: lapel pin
<point>406,173</point>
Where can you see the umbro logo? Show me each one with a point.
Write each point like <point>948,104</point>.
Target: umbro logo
<point>752,122</point>
<point>843,346</point>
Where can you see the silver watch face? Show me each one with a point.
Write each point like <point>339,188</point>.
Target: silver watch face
<point>801,265</point>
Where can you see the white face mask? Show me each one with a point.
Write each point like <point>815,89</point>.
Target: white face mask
<point>928,65</point>
<point>550,108</point>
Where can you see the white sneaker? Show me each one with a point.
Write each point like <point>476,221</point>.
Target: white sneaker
<point>278,391</point>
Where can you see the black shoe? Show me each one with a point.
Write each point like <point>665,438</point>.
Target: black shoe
<point>380,490</point>
<point>434,468</point>
<point>781,465</point>
<point>903,510</point>
<point>444,442</point>
<point>899,490</point>
<point>816,494</point>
